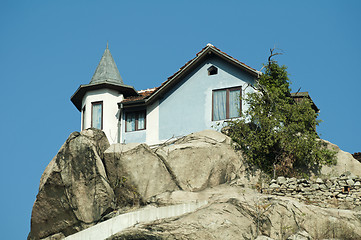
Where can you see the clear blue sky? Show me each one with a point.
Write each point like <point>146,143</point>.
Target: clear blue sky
<point>49,48</point>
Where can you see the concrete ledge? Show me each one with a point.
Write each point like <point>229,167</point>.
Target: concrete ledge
<point>114,225</point>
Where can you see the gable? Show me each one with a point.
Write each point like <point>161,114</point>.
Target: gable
<point>199,80</point>
<point>209,52</point>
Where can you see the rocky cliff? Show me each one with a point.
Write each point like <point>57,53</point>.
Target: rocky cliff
<point>89,181</point>
<point>74,191</point>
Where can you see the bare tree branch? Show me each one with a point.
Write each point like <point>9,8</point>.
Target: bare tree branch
<point>273,54</point>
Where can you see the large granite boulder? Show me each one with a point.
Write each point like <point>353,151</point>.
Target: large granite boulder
<point>74,192</point>
<point>136,173</point>
<point>201,160</point>
<point>345,163</point>
<point>88,178</point>
<point>192,163</point>
<point>239,213</point>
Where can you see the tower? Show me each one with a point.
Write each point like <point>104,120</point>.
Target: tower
<point>98,100</point>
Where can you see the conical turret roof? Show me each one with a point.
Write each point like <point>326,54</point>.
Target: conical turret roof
<point>106,76</point>
<point>107,70</point>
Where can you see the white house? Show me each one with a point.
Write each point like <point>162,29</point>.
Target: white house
<point>202,93</point>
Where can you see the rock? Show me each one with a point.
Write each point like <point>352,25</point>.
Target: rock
<point>349,199</point>
<point>135,168</point>
<point>217,221</point>
<point>292,180</point>
<point>232,214</point>
<point>261,237</point>
<point>328,183</point>
<point>343,177</point>
<point>74,192</point>
<point>342,182</point>
<point>342,195</point>
<point>301,235</point>
<point>345,163</point>
<point>87,180</point>
<point>350,182</point>
<point>281,180</point>
<point>319,181</point>
<point>201,160</point>
<point>354,177</point>
<point>302,180</point>
<point>333,179</point>
<point>56,236</point>
<point>346,174</point>
<point>292,186</point>
<point>273,181</point>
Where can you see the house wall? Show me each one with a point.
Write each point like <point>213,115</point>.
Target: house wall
<point>110,99</point>
<point>153,123</point>
<point>138,136</point>
<point>151,134</point>
<point>133,137</point>
<point>188,107</point>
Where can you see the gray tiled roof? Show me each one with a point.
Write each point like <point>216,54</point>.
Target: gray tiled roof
<point>107,70</point>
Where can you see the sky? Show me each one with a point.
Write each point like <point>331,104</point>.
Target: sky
<point>49,48</point>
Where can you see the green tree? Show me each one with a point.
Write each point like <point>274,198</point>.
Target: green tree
<point>277,134</point>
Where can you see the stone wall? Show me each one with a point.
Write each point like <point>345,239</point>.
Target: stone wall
<point>342,192</point>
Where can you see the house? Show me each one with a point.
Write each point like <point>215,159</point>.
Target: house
<point>202,94</point>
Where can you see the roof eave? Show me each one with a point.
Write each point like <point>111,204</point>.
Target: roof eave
<point>77,97</point>
<point>136,103</point>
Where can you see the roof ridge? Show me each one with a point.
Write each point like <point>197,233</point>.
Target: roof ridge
<point>147,90</point>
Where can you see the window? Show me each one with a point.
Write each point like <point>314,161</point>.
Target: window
<point>212,70</point>
<point>83,118</point>
<point>135,121</point>
<point>226,103</point>
<point>97,115</point>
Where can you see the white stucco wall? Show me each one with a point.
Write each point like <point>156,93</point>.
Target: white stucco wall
<point>110,99</point>
<point>153,123</point>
